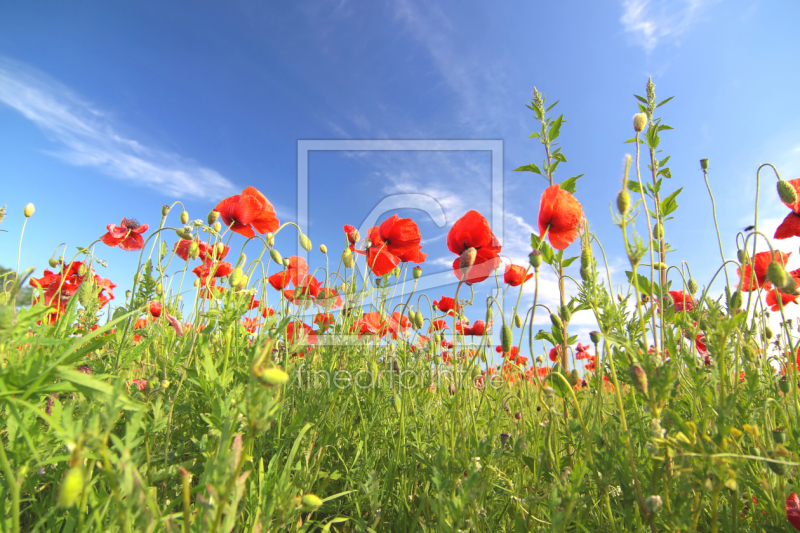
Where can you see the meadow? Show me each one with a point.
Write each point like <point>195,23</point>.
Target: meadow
<point>253,394</point>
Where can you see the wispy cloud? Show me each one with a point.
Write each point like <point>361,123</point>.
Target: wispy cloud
<point>652,21</point>
<point>89,137</point>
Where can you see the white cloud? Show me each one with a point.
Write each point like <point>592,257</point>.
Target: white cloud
<point>89,138</point>
<point>652,21</point>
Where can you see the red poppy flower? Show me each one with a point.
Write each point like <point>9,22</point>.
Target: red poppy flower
<point>555,353</point>
<point>790,227</point>
<point>351,233</point>
<point>786,299</point>
<point>280,280</point>
<point>445,304</point>
<point>760,263</point>
<point>217,269</point>
<point>563,214</point>
<point>371,323</point>
<point>250,324</point>
<point>396,240</point>
<point>438,325</point>
<point>128,235</point>
<point>253,303</point>
<point>793,510</point>
<point>267,312</point>
<point>683,301</point>
<point>323,320</point>
<point>300,333</point>
<point>515,275</point>
<point>308,290</point>
<point>155,309</point>
<point>140,384</point>
<point>473,231</point>
<point>700,344</point>
<point>182,249</point>
<point>397,324</point>
<point>209,289</point>
<point>478,329</point>
<point>247,212</point>
<point>58,288</point>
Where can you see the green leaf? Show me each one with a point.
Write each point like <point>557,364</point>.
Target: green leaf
<point>641,99</point>
<point>568,262</point>
<point>569,184</point>
<point>665,172</point>
<point>642,108</point>
<point>662,127</point>
<point>665,101</point>
<point>552,106</point>
<point>555,128</point>
<point>545,336</point>
<point>633,186</point>
<point>670,204</point>
<point>534,134</point>
<point>530,463</point>
<point>642,282</point>
<point>529,168</point>
<point>558,156</point>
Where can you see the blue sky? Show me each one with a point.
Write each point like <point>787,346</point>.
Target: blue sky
<point>113,109</point>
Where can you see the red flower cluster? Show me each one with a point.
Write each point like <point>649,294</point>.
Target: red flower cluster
<point>478,329</point>
<point>58,287</point>
<point>759,266</point>
<point>445,304</point>
<point>395,241</point>
<point>790,227</point>
<point>472,233</point>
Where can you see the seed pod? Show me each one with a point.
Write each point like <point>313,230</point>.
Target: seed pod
<point>623,201</point>
<point>574,378</point>
<point>735,301</point>
<point>565,313</point>
<point>164,211</point>
<point>556,321</point>
<point>784,385</point>
<point>286,261</point>
<point>639,378</point>
<point>704,163</point>
<point>184,217</point>
<point>305,242</point>
<point>273,377</point>
<point>594,336</point>
<point>779,468</point>
<point>71,487</point>
<point>397,403</point>
<point>506,338</point>
<point>276,256</point>
<point>536,259</point>
<point>692,286</point>
<point>518,321</point>
<point>311,501</point>
<point>213,215</point>
<point>787,193</point>
<point>416,272</point>
<point>776,274</point>
<point>779,436</point>
<point>323,248</point>
<point>419,320</point>
<point>639,122</point>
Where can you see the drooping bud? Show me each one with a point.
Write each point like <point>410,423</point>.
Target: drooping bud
<point>416,272</point>
<point>276,256</point>
<point>468,257</point>
<point>536,257</point>
<point>735,301</point>
<point>743,256</point>
<point>768,332</point>
<point>623,201</point>
<point>164,210</point>
<point>235,277</point>
<point>595,336</point>
<point>554,318</point>
<point>419,320</point>
<point>779,468</point>
<point>565,313</point>
<point>71,487</point>
<point>270,239</point>
<point>219,249</point>
<point>347,258</point>
<point>194,249</point>
<point>196,283</point>
<point>639,122</point>
<point>184,217</point>
<point>216,226</point>
<point>82,270</point>
<point>790,286</point>
<point>704,163</point>
<point>776,274</point>
<point>52,262</point>
<point>639,378</point>
<point>658,231</point>
<point>506,338</point>
<point>692,286</point>
<point>574,378</point>
<point>213,215</point>
<point>323,248</point>
<point>184,233</point>
<point>787,193</point>
<point>311,501</point>
<point>518,321</point>
<point>305,242</point>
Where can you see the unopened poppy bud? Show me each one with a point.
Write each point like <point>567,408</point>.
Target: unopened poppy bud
<point>784,384</point>
<point>164,210</point>
<point>743,256</point>
<point>779,468</point>
<point>273,377</point>
<point>311,501</point>
<point>692,286</point>
<point>539,359</point>
<point>216,226</point>
<point>735,302</point>
<point>355,236</point>
<point>518,321</point>
<point>658,230</point>
<point>554,318</point>
<point>419,320</point>
<point>184,217</point>
<point>276,256</point>
<point>623,201</point>
<point>270,239</point>
<point>639,378</point>
<point>286,261</point>
<point>574,378</point>
<point>594,336</point>
<point>213,215</point>
<point>536,257</point>
<point>29,210</point>
<point>659,266</point>
<point>219,249</point>
<point>52,262</point>
<point>704,163</point>
<point>235,277</point>
<point>197,283</point>
<point>476,371</point>
<point>242,283</point>
<point>468,257</point>
<point>787,193</point>
<point>305,242</point>
<point>749,353</point>
<point>565,313</point>
<point>776,274</point>
<point>347,258</point>
<point>398,403</point>
<point>164,384</point>
<point>71,487</point>
<point>323,248</point>
<point>639,122</point>
<point>194,249</point>
<point>184,233</point>
<point>416,272</point>
<point>768,332</point>
<point>159,288</point>
<point>586,257</point>
<point>489,312</point>
<point>506,338</point>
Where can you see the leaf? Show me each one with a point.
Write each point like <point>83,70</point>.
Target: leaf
<point>558,156</point>
<point>633,186</point>
<point>545,336</point>
<point>552,106</point>
<point>642,282</point>
<point>665,172</point>
<point>570,184</point>
<point>665,101</point>
<point>670,204</point>
<point>568,262</point>
<point>555,128</point>
<point>662,127</point>
<point>529,168</point>
<point>534,134</point>
<point>530,463</point>
<point>642,108</point>
<point>641,98</point>
<point>90,386</point>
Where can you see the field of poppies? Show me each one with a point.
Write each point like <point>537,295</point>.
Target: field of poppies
<point>234,389</point>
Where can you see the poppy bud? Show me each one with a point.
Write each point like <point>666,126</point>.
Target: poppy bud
<point>776,274</point>
<point>595,336</point>
<point>574,378</point>
<point>692,286</point>
<point>323,248</point>
<point>235,277</point>
<point>554,318</point>
<point>419,320</point>
<point>536,259</point>
<point>216,226</point>
<point>71,487</point>
<point>159,288</point>
<point>276,256</point>
<point>518,321</point>
<point>416,272</point>
<point>767,332</point>
<point>468,257</point>
<point>506,338</point>
<point>779,436</point>
<point>539,359</point>
<point>735,301</point>
<point>623,201</point>
<point>639,378</point>
<point>786,192</point>
<point>273,377</point>
<point>784,384</point>
<point>219,249</point>
<point>194,249</point>
<point>586,257</point>
<point>476,371</point>
<point>184,217</point>
<point>197,283</point>
<point>749,353</point>
<point>704,163</point>
<point>311,501</point>
<point>29,210</point>
<point>397,403</point>
<point>743,256</point>
<point>658,230</point>
<point>778,468</point>
<point>184,233</point>
<point>82,270</point>
<point>286,261</point>
<point>565,313</point>
<point>586,274</point>
<point>659,266</point>
<point>639,122</point>
<point>164,210</point>
<point>85,292</point>
<point>270,239</point>
<point>489,312</point>
<point>347,258</point>
<point>52,262</point>
<point>305,242</point>
<point>790,287</point>
<point>213,215</point>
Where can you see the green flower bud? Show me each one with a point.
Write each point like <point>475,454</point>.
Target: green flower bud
<point>768,332</point>
<point>779,468</point>
<point>554,318</point>
<point>85,292</point>
<point>305,242</point>
<point>466,261</point>
<point>184,233</point>
<point>623,201</point>
<point>574,378</point>
<point>659,266</point>
<point>518,321</point>
<point>273,377</point>
<point>194,250</point>
<point>692,286</point>
<point>397,403</point>
<point>71,487</point>
<point>787,193</point>
<point>506,338</point>
<point>212,217</point>
<point>776,274</point>
<point>595,336</point>
<point>184,217</point>
<point>276,256</point>
<point>784,385</point>
<point>565,313</point>
<point>52,262</point>
<point>270,239</point>
<point>164,210</point>
<point>586,257</point>
<point>419,320</point>
<point>29,210</point>
<point>216,226</point>
<point>735,301</point>
<point>743,256</point>
<point>235,277</point>
<point>639,378</point>
<point>286,261</point>
<point>536,259</point>
<point>323,248</point>
<point>347,258</point>
<point>639,122</point>
<point>658,231</point>
<point>586,274</point>
<point>311,501</point>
